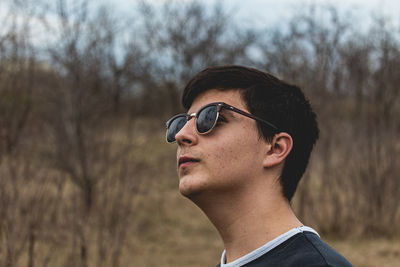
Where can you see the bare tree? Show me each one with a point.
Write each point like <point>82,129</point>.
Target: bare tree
<point>350,77</point>
<point>84,98</point>
<point>183,39</point>
<point>17,68</point>
<point>17,72</point>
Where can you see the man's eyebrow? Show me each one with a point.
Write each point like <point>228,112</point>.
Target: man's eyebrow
<point>228,113</point>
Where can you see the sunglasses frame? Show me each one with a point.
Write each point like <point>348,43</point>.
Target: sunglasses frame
<point>220,106</point>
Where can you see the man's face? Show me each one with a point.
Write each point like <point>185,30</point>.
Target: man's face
<point>227,158</point>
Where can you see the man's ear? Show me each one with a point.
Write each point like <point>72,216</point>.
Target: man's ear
<point>278,150</point>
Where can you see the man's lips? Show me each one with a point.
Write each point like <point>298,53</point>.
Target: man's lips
<point>186,161</point>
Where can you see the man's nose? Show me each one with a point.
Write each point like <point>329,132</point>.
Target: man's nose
<point>188,134</point>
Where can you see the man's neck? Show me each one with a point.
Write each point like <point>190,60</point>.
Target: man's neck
<point>246,222</point>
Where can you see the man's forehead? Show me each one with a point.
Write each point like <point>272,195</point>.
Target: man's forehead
<point>232,97</point>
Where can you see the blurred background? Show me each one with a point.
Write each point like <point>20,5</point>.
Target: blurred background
<point>86,178</point>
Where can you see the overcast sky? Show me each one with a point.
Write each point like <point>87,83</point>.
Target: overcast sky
<point>280,9</point>
<point>269,13</point>
<point>262,12</point>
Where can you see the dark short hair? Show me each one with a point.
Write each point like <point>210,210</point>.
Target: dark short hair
<point>271,99</point>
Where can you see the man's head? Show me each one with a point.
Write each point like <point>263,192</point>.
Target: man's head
<point>270,99</point>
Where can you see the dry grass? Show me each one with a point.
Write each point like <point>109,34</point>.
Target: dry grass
<point>161,227</point>
<point>370,252</point>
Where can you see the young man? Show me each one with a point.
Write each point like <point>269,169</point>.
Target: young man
<point>242,148</point>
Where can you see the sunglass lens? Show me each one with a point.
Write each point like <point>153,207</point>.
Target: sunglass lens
<point>206,119</point>
<point>174,127</point>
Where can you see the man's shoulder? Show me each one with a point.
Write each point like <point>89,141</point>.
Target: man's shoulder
<point>303,249</point>
<point>331,256</point>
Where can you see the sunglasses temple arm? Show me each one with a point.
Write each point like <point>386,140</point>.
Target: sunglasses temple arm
<point>253,117</point>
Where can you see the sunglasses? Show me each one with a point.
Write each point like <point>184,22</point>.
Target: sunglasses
<point>206,119</point>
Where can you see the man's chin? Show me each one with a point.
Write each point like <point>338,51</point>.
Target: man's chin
<point>189,188</point>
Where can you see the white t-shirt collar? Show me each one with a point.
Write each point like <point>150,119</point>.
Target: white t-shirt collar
<point>265,248</point>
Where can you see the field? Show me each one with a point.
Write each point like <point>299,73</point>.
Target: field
<point>137,216</point>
